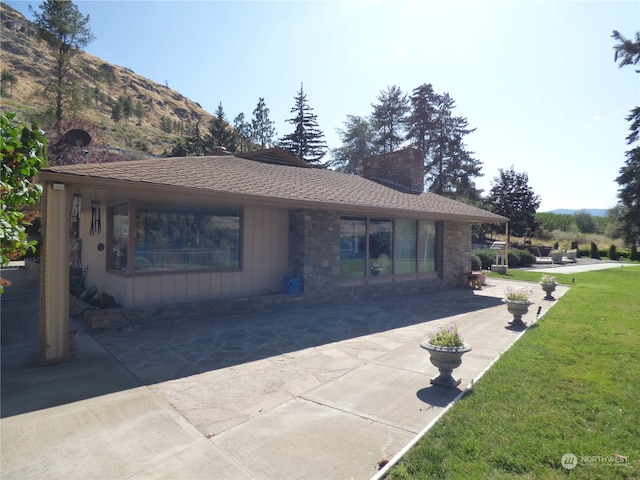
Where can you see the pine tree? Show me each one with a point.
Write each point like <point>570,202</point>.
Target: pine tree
<point>433,129</point>
<point>423,117</point>
<point>628,53</point>
<point>242,133</point>
<point>307,140</point>
<point>262,129</point>
<point>194,142</point>
<point>220,133</point>
<point>357,143</point>
<point>65,31</point>
<point>388,119</point>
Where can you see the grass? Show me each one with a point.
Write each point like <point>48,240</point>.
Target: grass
<point>571,384</point>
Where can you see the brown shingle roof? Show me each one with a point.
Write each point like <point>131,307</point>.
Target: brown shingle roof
<point>308,187</point>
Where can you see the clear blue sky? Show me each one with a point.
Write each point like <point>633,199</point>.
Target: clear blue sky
<point>537,79</point>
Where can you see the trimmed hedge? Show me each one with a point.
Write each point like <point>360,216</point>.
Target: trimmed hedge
<point>483,258</point>
<point>486,257</point>
<point>526,258</point>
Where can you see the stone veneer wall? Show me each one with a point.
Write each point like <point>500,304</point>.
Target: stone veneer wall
<point>457,252</point>
<point>314,251</point>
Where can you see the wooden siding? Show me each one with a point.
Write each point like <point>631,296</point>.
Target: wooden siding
<point>263,266</point>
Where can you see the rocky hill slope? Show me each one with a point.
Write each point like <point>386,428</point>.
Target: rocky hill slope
<point>165,113</point>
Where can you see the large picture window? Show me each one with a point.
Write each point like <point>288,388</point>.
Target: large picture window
<point>164,239</point>
<point>353,247</point>
<point>406,244</point>
<point>427,247</point>
<point>379,247</point>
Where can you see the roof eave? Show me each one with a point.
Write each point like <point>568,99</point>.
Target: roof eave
<point>256,200</point>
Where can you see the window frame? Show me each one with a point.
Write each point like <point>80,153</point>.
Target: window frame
<point>134,207</point>
<point>367,276</point>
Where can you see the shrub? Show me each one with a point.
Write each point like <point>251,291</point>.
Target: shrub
<point>476,263</point>
<point>525,258</point>
<point>574,246</point>
<point>634,253</point>
<point>612,252</point>
<point>487,257</point>
<point>594,251</point>
<point>623,253</point>
<point>514,259</point>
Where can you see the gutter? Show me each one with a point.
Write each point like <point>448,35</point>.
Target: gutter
<point>140,186</point>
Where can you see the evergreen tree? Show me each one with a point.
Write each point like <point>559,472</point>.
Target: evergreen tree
<point>389,118</point>
<point>220,134</point>
<point>511,196</point>
<point>116,112</point>
<point>123,108</point>
<point>449,167</point>
<point>7,77</point>
<point>307,140</point>
<point>138,111</point>
<point>194,141</point>
<point>262,129</point>
<point>242,133</point>
<point>628,52</point>
<point>423,117</point>
<point>65,31</point>
<point>357,143</point>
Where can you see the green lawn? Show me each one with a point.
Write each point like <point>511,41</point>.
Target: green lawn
<point>571,384</point>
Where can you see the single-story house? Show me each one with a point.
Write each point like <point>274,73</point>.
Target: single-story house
<point>168,231</point>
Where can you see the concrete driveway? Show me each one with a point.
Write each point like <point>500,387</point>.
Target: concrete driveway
<point>314,393</point>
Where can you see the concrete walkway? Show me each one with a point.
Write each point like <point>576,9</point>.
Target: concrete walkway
<point>317,393</point>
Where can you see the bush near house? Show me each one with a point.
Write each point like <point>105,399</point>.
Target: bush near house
<point>486,257</point>
<point>476,263</point>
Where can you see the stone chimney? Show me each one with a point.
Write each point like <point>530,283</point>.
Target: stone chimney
<point>402,170</point>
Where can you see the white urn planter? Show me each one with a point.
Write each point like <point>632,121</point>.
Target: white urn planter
<point>517,308</point>
<point>445,359</point>
<point>548,288</point>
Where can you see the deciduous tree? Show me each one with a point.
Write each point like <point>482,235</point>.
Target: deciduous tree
<point>262,129</point>
<point>23,154</point>
<point>243,133</point>
<point>511,196</point>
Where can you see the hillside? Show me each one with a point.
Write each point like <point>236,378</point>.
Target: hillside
<point>165,111</point>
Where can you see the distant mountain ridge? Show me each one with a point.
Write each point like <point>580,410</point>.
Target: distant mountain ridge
<point>596,212</point>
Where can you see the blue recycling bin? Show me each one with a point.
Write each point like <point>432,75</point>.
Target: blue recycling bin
<point>292,284</point>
